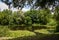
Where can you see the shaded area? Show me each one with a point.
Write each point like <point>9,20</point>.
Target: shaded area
<point>24,27</point>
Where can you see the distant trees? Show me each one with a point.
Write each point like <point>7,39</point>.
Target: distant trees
<point>41,16</point>
<point>7,17</point>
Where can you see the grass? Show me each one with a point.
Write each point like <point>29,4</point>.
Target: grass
<point>20,33</point>
<point>42,34</point>
<point>37,35</point>
<point>28,35</point>
<point>44,31</point>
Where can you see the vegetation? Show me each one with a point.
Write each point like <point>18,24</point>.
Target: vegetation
<point>30,20</point>
<point>33,3</point>
<point>4,31</point>
<point>33,24</point>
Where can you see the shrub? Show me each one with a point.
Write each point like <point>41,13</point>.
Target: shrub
<point>52,22</point>
<point>4,17</point>
<point>38,16</point>
<point>28,21</point>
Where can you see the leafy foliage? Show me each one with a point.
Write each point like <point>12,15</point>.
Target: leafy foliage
<point>20,20</point>
<point>32,3</point>
<point>38,16</point>
<point>57,18</point>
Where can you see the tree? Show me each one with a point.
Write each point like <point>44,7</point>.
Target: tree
<point>38,16</point>
<point>45,15</point>
<point>56,16</point>
<point>33,3</point>
<point>4,17</point>
<point>32,15</point>
<point>19,3</point>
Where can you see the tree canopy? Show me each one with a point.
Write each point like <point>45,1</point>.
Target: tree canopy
<point>32,3</point>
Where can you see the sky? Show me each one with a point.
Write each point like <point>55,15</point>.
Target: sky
<point>4,6</point>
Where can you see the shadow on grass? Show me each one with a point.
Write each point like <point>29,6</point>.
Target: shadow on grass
<point>39,36</point>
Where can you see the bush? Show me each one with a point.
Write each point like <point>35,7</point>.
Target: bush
<point>52,22</point>
<point>38,16</point>
<point>33,16</point>
<point>28,21</point>
<point>56,16</point>
<point>4,17</point>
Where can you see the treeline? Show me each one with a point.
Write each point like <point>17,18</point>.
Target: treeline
<point>37,17</point>
<point>8,17</point>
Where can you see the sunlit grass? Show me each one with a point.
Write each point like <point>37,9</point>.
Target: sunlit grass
<point>20,33</point>
<point>44,31</point>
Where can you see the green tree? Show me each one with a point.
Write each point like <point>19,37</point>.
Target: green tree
<point>16,19</point>
<point>45,15</point>
<point>40,16</point>
<point>28,21</point>
<point>33,15</point>
<point>56,15</point>
<point>4,17</point>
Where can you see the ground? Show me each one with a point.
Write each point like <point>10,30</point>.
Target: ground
<point>42,34</point>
